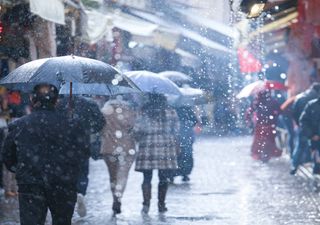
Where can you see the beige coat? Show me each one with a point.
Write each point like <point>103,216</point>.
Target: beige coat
<point>116,137</point>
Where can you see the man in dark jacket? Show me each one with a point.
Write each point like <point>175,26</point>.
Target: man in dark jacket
<point>46,150</point>
<point>310,128</point>
<point>89,115</point>
<point>302,147</point>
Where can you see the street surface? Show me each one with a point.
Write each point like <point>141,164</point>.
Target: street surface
<point>227,188</point>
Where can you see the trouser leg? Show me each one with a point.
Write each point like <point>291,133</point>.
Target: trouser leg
<point>61,202</point>
<point>83,181</point>
<point>32,205</point>
<point>162,190</point>
<point>146,187</point>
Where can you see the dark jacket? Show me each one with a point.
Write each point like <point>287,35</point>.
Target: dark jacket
<point>45,147</point>
<point>310,119</point>
<point>86,110</point>
<point>301,101</point>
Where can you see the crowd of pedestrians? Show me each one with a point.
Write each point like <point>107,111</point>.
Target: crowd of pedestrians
<point>302,125</point>
<point>47,150</point>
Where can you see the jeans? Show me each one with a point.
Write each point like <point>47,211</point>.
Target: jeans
<point>83,179</point>
<point>301,148</point>
<point>35,200</point>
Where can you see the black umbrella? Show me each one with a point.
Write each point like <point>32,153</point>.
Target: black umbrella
<point>60,70</point>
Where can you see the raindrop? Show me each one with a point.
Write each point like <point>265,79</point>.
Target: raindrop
<point>118,134</point>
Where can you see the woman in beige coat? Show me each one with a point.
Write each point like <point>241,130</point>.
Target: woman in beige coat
<point>118,146</point>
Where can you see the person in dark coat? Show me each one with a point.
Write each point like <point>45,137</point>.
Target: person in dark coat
<point>310,128</point>
<point>89,115</point>
<point>267,110</point>
<point>302,147</point>
<point>46,151</point>
<point>188,120</point>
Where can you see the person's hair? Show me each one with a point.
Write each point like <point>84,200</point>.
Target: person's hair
<point>44,96</point>
<point>155,106</point>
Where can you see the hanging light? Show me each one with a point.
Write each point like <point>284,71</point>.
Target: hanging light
<point>253,8</point>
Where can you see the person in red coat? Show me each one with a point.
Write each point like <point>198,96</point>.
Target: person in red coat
<point>266,111</point>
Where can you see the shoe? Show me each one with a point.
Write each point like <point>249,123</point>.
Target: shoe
<point>162,208</point>
<point>185,178</point>
<point>145,209</point>
<point>293,171</point>
<point>81,209</point>
<point>116,207</point>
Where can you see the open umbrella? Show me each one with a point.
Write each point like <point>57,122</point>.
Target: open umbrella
<point>65,69</point>
<point>257,86</point>
<point>177,77</point>
<point>191,96</point>
<point>151,82</point>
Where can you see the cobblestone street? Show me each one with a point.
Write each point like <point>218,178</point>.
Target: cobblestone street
<point>226,187</point>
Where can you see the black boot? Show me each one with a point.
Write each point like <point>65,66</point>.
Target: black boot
<point>162,192</point>
<point>116,207</point>
<point>146,192</point>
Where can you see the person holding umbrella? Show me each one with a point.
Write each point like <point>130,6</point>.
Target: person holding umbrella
<point>46,151</point>
<point>87,112</point>
<point>118,145</point>
<point>156,132</point>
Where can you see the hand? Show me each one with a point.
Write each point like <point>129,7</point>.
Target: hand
<point>315,138</point>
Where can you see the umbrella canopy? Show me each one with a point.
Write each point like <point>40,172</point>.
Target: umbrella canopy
<point>191,96</point>
<point>95,89</point>
<point>177,77</point>
<point>257,86</point>
<point>153,83</point>
<point>59,70</point>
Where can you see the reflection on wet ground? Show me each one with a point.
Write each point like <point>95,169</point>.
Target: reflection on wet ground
<point>226,187</point>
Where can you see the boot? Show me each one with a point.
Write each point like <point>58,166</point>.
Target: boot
<point>116,206</point>
<point>146,192</point>
<point>162,192</point>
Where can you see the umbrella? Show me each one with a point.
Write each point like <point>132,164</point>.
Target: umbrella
<point>95,89</point>
<point>177,77</point>
<point>191,96</point>
<point>153,83</point>
<point>257,86</point>
<point>59,70</point>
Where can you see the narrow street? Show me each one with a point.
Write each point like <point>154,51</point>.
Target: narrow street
<point>226,187</point>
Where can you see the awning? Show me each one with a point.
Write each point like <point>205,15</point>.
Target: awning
<point>276,25</point>
<point>99,25</point>
<point>211,24</point>
<point>205,42</point>
<point>51,10</point>
<point>132,24</point>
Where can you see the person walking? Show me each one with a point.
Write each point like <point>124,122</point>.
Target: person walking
<point>88,113</point>
<point>301,145</point>
<point>266,110</point>
<point>310,128</point>
<point>46,151</point>
<point>118,146</point>
<point>188,121</point>
<point>156,132</point>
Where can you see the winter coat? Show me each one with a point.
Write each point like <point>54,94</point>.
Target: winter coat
<point>117,136</point>
<point>85,110</point>
<point>310,119</point>
<point>45,148</point>
<point>157,141</point>
<point>187,120</point>
<point>301,101</point>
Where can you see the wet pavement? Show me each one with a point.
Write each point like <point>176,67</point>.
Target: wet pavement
<point>226,187</point>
